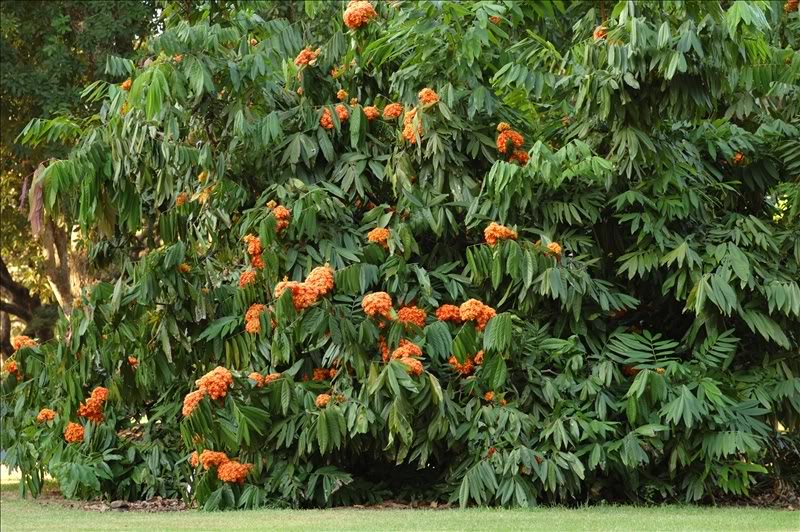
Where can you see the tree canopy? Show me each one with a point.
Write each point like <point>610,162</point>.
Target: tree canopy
<point>491,252</point>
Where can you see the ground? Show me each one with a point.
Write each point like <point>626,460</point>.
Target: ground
<point>50,514</point>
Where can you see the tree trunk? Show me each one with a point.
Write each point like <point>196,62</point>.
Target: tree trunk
<point>65,265</point>
<point>5,334</point>
<point>66,268</point>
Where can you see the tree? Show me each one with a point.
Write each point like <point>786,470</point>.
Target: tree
<point>50,51</point>
<point>485,252</point>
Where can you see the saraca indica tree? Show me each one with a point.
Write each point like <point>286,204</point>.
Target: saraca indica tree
<point>492,252</point>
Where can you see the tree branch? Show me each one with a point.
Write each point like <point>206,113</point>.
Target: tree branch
<point>16,310</point>
<point>19,294</point>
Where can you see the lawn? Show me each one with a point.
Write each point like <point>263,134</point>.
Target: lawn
<point>17,514</point>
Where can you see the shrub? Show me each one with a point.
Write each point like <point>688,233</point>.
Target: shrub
<point>570,271</point>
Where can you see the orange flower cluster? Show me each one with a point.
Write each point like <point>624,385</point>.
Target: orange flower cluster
<point>413,366</point>
<point>353,102</point>
<point>178,58</point>
<point>318,283</point>
<point>412,315</point>
<point>489,396</point>
<point>322,400</point>
<point>342,113</point>
<point>428,96</point>
<point>509,138</point>
<point>184,268</point>
<point>254,311</point>
<point>11,367</point>
<point>464,368</point>
<point>227,470</point>
<point>181,200</point>
<point>191,401</point>
<point>253,245</point>
<point>377,304</point>
<point>93,408</point>
<point>478,358</point>
<point>252,318</point>
<point>321,280</point>
<point>126,85</point>
<point>502,126</point>
<point>358,13</point>
<point>738,159</point>
<point>258,377</point>
<point>23,341</point>
<point>380,236</point>
<point>254,249</point>
<point>247,278</point>
<point>630,371</point>
<point>554,248</point>
<point>303,296</point>
<point>73,433</point>
<point>326,120</point>
<point>392,111</point>
<point>790,5</point>
<point>272,377</point>
<point>408,127</point>
<point>205,194</point>
<point>474,310</point>
<point>211,459</point>
<point>448,313</point>
<point>134,362</point>
<point>45,414</point>
<point>321,374</point>
<point>341,95</point>
<point>519,156</point>
<point>283,216</point>
<point>308,56</point>
<point>599,33</point>
<point>216,382</point>
<point>371,112</point>
<point>383,349</point>
<point>495,19</point>
<point>496,232</point>
<point>233,472</point>
<point>407,349</point>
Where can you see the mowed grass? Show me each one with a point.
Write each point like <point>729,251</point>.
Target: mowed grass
<point>26,514</point>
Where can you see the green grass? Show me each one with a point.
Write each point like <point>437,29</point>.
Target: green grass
<point>17,514</point>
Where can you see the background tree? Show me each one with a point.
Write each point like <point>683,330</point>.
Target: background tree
<point>50,51</point>
<point>485,252</point>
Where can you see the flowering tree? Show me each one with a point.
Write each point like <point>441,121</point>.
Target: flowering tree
<point>489,252</point>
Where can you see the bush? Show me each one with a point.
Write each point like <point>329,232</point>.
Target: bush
<point>493,253</point>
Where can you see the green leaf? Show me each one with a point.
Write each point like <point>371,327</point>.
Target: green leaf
<point>217,328</point>
<point>497,336</point>
<point>438,341</point>
<point>322,432</point>
<point>356,127</point>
